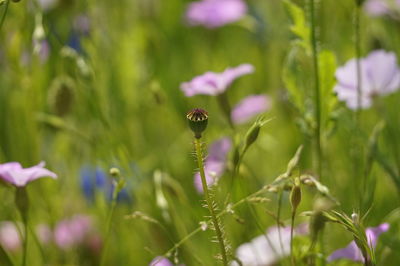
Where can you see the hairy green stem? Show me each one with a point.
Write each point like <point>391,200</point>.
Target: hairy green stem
<point>317,103</point>
<point>223,212</point>
<point>209,202</point>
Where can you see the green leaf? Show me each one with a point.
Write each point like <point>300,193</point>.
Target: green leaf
<point>327,69</point>
<point>299,26</point>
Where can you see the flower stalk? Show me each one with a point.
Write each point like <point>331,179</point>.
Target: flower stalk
<point>198,119</point>
<point>317,102</point>
<point>22,202</point>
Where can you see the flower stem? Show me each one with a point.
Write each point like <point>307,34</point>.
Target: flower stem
<point>209,202</point>
<point>317,133</point>
<point>4,14</point>
<point>108,228</point>
<point>25,241</point>
<point>291,236</point>
<point>357,47</point>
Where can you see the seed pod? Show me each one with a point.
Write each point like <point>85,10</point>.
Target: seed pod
<point>295,196</point>
<point>198,120</point>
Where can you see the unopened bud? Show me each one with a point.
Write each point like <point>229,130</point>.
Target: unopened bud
<point>198,120</point>
<point>114,172</point>
<point>295,196</point>
<point>355,218</point>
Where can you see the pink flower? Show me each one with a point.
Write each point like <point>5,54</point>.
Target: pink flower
<point>215,163</point>
<point>250,107</point>
<point>10,237</point>
<point>215,13</point>
<point>72,232</point>
<point>44,234</point>
<point>352,252</point>
<point>160,261</point>
<point>211,83</point>
<point>380,75</point>
<point>14,174</point>
<point>377,8</point>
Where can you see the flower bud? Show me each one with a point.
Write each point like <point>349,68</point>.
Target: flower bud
<point>22,201</point>
<point>295,196</point>
<point>198,120</point>
<point>114,172</point>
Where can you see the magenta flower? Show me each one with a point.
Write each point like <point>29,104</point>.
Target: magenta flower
<point>215,13</point>
<point>211,83</point>
<point>10,238</point>
<point>14,174</point>
<point>380,75</point>
<point>250,107</point>
<point>268,249</point>
<point>352,252</point>
<point>72,232</point>
<point>215,163</point>
<point>160,261</point>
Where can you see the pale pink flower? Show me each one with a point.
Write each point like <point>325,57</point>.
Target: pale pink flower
<point>215,13</point>
<point>249,107</point>
<point>10,237</point>
<point>380,75</point>
<point>14,174</point>
<point>72,232</point>
<point>211,83</point>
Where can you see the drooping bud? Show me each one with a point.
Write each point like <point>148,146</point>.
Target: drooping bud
<point>198,120</point>
<point>252,133</point>
<point>295,195</point>
<point>61,95</point>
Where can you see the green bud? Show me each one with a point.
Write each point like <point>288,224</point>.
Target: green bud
<point>359,2</point>
<point>61,95</point>
<point>252,133</point>
<point>295,195</point>
<point>198,120</point>
<point>114,172</point>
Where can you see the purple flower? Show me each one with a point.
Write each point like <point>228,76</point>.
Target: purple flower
<point>380,75</point>
<point>160,261</point>
<point>215,13</point>
<point>215,163</point>
<point>211,83</point>
<point>376,8</point>
<point>14,174</point>
<point>72,232</point>
<point>268,249</point>
<point>250,107</point>
<point>352,252</point>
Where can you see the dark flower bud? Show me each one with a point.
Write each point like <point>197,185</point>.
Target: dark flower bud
<point>22,201</point>
<point>198,120</point>
<point>295,196</point>
<point>360,2</point>
<point>252,133</point>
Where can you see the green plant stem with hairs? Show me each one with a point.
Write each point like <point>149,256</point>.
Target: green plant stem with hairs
<point>317,132</point>
<point>209,202</point>
<point>223,212</point>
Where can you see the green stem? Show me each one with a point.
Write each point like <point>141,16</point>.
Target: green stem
<point>317,103</point>
<point>108,228</point>
<point>357,47</point>
<point>209,201</point>
<point>199,229</point>
<point>291,237</point>
<point>3,18</point>
<point>25,241</point>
